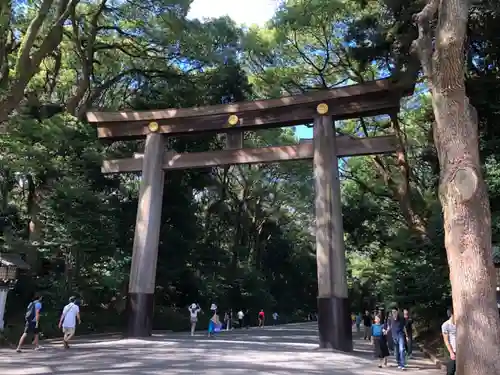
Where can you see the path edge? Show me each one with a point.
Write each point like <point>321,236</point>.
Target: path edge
<point>439,363</point>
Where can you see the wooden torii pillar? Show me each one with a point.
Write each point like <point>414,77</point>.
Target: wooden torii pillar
<point>334,315</point>
<point>374,98</point>
<point>140,299</point>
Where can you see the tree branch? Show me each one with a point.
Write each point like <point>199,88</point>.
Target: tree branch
<point>86,57</point>
<point>23,57</point>
<point>308,60</point>
<point>106,85</point>
<point>54,36</point>
<point>422,46</point>
<point>29,61</point>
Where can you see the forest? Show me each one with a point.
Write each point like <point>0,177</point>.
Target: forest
<point>238,235</point>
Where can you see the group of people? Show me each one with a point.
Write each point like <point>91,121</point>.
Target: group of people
<point>67,321</point>
<point>214,323</point>
<point>392,333</point>
<point>395,334</point>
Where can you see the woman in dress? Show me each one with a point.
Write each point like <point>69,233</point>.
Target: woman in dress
<point>384,320</point>
<point>380,342</point>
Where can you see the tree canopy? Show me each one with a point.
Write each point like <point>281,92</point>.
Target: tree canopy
<point>240,235</point>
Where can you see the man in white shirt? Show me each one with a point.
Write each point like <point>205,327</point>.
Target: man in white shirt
<point>449,330</point>
<point>275,317</point>
<point>67,323</point>
<point>241,315</point>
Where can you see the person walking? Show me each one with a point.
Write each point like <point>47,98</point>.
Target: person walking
<point>359,318</point>
<point>227,320</point>
<point>397,328</point>
<point>67,322</point>
<point>385,321</point>
<point>275,318</point>
<point>247,319</point>
<point>194,309</point>
<point>231,320</point>
<point>379,341</point>
<point>261,318</point>
<point>213,324</point>
<point>241,316</point>
<point>32,322</point>
<point>449,331</point>
<point>409,332</point>
<point>367,325</point>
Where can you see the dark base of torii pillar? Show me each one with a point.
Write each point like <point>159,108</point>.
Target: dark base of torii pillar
<point>140,311</point>
<point>334,322</point>
<point>140,300</point>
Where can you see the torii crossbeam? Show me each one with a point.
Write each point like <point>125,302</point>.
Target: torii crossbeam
<point>320,107</point>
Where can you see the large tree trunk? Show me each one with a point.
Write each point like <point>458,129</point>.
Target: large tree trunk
<point>467,221</point>
<point>462,190</point>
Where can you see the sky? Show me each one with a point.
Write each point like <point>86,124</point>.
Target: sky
<point>247,12</point>
<point>241,11</point>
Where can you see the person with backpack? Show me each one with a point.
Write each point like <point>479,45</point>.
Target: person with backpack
<point>68,320</point>
<point>32,322</point>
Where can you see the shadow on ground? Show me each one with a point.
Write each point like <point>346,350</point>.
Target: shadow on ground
<point>282,350</point>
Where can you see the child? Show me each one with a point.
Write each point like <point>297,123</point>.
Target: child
<point>379,342</point>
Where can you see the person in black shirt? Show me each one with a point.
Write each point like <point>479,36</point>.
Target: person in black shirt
<point>409,332</point>
<point>367,324</point>
<point>246,319</point>
<point>397,328</point>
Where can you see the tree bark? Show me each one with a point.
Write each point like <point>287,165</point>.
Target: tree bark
<point>34,224</point>
<point>462,189</point>
<point>6,40</point>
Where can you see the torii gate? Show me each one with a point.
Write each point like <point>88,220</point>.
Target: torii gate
<point>323,108</point>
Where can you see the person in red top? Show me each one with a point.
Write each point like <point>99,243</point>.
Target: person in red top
<point>261,318</point>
